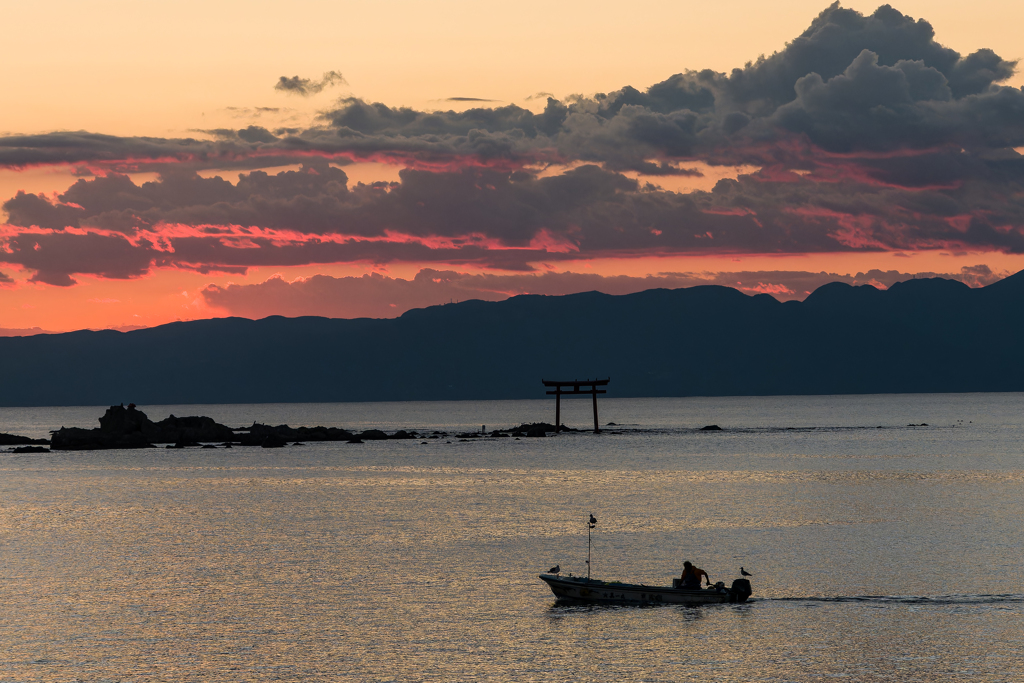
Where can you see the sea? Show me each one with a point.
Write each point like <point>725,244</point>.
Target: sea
<point>885,535</point>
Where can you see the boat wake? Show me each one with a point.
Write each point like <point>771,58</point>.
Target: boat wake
<point>1009,598</point>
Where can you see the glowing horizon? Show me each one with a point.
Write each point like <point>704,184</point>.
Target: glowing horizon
<point>281,194</point>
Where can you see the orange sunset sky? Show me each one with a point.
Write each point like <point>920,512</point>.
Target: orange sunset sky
<point>164,162</point>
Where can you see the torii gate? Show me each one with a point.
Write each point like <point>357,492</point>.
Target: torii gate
<point>575,384</point>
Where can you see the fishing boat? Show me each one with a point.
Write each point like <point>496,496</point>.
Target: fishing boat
<point>585,590</point>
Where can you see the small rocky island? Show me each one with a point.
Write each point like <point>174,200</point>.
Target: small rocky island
<point>128,427</point>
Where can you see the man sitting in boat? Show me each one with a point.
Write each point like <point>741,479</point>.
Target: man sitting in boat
<point>691,576</point>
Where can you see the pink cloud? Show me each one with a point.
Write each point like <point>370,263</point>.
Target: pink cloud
<point>867,134</point>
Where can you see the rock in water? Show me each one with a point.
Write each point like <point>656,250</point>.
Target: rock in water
<point>274,441</point>
<point>30,449</point>
<point>15,440</point>
<point>121,420</point>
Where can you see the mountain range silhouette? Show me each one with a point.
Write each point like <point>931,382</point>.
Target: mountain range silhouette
<point>928,335</point>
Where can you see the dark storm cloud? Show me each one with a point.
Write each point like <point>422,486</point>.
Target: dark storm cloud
<point>867,133</point>
<point>30,209</point>
<point>877,107</point>
<point>307,86</point>
<point>878,82</point>
<point>850,82</point>
<point>256,134</point>
<point>836,38</point>
<point>81,146</point>
<point>588,208</point>
<point>357,116</point>
<point>55,256</point>
<point>500,218</point>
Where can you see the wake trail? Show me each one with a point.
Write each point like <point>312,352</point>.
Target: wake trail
<point>1006,598</point>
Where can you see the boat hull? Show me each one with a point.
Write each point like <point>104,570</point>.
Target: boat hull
<point>580,590</point>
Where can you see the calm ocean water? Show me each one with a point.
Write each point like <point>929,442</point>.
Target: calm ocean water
<point>880,551</point>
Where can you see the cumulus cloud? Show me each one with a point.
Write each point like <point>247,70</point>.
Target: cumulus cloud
<point>867,135</point>
<point>380,296</point>
<point>307,86</point>
<point>491,217</point>
<point>81,146</point>
<point>55,256</point>
<point>878,82</point>
<point>909,104</point>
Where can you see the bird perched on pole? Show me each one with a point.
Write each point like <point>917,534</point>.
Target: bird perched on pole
<point>744,572</point>
<point>593,521</point>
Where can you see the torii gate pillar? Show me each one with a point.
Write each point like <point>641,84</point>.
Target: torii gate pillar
<point>576,390</point>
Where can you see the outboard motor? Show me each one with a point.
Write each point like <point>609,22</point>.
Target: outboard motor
<point>740,590</point>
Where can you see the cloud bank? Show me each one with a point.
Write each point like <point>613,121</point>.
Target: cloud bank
<point>867,133</point>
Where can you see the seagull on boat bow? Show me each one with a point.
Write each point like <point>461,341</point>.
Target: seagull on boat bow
<point>744,572</point>
<point>556,569</point>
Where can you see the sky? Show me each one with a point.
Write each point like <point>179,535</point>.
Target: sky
<point>163,162</point>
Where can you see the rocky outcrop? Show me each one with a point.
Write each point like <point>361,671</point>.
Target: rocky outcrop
<point>15,440</point>
<point>30,449</point>
<point>257,434</point>
<point>77,439</point>
<point>129,427</point>
<point>537,429</point>
<point>274,441</point>
<point>188,430</point>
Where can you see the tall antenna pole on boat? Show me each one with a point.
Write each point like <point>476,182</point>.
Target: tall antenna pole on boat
<point>590,525</point>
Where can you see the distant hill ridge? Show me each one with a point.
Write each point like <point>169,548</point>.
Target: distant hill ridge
<point>929,335</point>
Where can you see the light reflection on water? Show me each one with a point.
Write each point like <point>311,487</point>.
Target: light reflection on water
<point>879,555</point>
